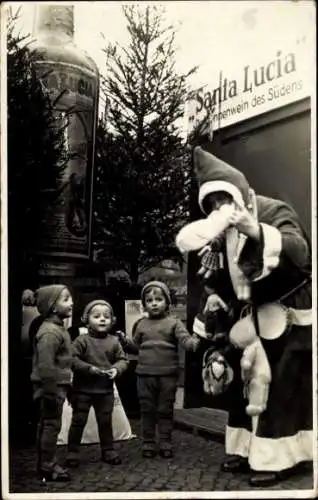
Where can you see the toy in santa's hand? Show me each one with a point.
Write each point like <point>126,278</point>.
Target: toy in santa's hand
<point>207,236</point>
<point>216,372</point>
<point>255,368</point>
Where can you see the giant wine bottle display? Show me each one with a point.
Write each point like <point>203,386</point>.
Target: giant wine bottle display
<point>72,80</point>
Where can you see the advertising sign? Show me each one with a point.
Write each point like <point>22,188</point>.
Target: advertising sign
<point>285,77</point>
<point>67,229</point>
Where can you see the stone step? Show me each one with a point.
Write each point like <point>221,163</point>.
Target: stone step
<point>208,421</point>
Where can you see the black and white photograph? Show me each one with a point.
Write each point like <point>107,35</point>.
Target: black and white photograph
<point>158,250</point>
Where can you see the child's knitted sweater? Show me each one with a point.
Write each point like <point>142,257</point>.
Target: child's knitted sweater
<point>52,358</point>
<point>102,352</point>
<point>156,341</point>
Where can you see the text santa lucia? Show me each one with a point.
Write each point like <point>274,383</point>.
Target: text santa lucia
<point>252,78</point>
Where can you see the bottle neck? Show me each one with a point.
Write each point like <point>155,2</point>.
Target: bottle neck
<point>54,21</point>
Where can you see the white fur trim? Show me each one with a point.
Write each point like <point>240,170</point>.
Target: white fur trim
<point>197,234</point>
<point>214,186</point>
<point>199,328</point>
<point>234,244</point>
<point>268,454</point>
<point>237,441</point>
<point>272,249</point>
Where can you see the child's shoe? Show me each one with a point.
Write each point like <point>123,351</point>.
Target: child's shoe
<point>148,453</point>
<point>235,464</point>
<point>149,450</point>
<point>56,473</point>
<point>165,449</point>
<point>166,453</point>
<point>72,459</point>
<point>111,457</point>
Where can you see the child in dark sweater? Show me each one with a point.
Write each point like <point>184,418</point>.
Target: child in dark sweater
<point>97,359</point>
<point>156,339</point>
<point>51,374</point>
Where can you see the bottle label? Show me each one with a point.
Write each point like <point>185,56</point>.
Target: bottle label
<point>68,229</point>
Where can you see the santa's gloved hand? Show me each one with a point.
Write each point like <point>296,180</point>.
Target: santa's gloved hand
<point>220,338</point>
<point>245,223</point>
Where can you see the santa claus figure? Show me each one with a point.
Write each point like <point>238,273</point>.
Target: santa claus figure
<point>256,265</point>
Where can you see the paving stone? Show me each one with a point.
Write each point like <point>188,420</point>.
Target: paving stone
<point>195,467</point>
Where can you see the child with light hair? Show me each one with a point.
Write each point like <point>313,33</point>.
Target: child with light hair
<point>155,339</point>
<point>98,358</point>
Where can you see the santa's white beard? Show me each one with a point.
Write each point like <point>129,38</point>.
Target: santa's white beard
<point>198,234</point>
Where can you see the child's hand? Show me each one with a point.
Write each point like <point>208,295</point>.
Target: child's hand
<point>94,370</point>
<point>111,373</point>
<point>121,335</point>
<point>214,303</point>
<point>197,340</point>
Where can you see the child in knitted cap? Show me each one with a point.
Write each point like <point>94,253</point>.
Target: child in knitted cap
<point>156,339</point>
<point>97,359</point>
<point>51,374</point>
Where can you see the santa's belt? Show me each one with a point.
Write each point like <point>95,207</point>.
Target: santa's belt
<point>297,317</point>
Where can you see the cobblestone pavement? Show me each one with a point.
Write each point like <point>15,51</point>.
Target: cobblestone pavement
<point>195,467</point>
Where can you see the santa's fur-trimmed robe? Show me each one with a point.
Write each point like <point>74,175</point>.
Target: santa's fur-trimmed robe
<point>282,436</point>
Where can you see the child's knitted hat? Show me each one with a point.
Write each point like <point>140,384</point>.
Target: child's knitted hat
<point>215,175</point>
<point>158,284</point>
<point>93,303</point>
<point>28,298</point>
<point>46,297</point>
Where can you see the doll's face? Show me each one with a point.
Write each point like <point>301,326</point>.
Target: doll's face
<point>213,201</point>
